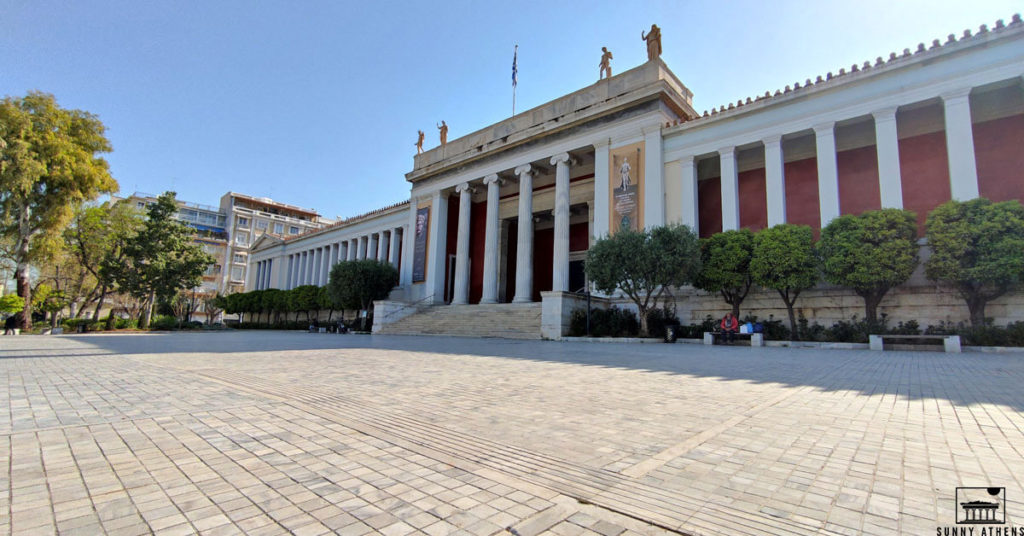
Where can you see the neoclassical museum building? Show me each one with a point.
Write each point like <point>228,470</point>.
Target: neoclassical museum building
<point>498,222</point>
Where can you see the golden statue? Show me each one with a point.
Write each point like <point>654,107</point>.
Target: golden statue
<point>606,63</point>
<point>653,39</point>
<point>419,142</point>
<point>444,132</point>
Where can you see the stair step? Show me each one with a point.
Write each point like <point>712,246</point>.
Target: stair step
<point>513,321</point>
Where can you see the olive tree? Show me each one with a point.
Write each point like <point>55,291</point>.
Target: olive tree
<point>978,247</point>
<point>356,284</point>
<point>870,253</point>
<point>644,264</point>
<point>725,266</point>
<point>783,260</point>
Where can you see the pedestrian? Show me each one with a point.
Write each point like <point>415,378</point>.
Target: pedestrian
<point>729,326</point>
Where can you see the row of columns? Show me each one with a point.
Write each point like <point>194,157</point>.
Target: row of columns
<point>963,174</point>
<point>313,266</point>
<point>263,271</point>
<point>524,245</point>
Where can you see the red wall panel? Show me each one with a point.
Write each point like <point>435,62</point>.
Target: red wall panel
<point>753,200</point>
<point>709,201</point>
<point>924,171</point>
<point>543,249</point>
<point>802,207</point>
<point>999,153</point>
<point>858,180</point>
<point>478,228</point>
<point>510,261</point>
<point>579,237</point>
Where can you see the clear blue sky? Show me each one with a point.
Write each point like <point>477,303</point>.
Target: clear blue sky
<point>317,103</point>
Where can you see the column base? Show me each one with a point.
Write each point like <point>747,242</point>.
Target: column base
<point>454,302</point>
<point>488,301</point>
<point>519,299</point>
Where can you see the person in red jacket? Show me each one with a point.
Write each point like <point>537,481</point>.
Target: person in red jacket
<point>730,326</point>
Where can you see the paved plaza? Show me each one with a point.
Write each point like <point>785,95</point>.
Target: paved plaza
<point>288,432</point>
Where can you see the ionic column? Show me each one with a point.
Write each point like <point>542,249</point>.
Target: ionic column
<point>256,279</point>
<point>296,260</point>
<point>437,238</point>
<point>828,172</point>
<point>963,171</point>
<point>328,254</point>
<point>361,251</point>
<point>310,266</point>
<point>335,252</point>
<point>318,263</point>
<point>270,271</point>
<point>560,258</point>
<point>353,246</point>
<point>490,290</point>
<point>524,237</point>
<point>774,180</point>
<point>730,189</point>
<point>371,247</point>
<point>288,275</point>
<point>382,247</point>
<point>393,248</point>
<point>887,147</point>
<point>302,268</point>
<point>690,197</point>
<point>460,294</point>
<point>601,193</point>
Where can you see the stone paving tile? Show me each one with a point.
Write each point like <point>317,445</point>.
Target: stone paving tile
<point>123,435</point>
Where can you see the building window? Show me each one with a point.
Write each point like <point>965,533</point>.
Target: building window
<point>293,230</point>
<point>243,222</point>
<point>278,228</point>
<point>239,258</point>
<point>236,273</point>
<point>242,239</point>
<point>140,204</point>
<point>261,225</point>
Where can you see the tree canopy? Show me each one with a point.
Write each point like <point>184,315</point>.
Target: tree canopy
<point>978,247</point>
<point>161,259</point>
<point>725,260</point>
<point>49,164</point>
<point>644,264</point>
<point>870,253</point>
<point>356,284</point>
<point>783,259</point>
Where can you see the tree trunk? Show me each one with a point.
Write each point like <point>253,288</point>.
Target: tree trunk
<point>147,311</point>
<point>643,321</point>
<point>99,306</point>
<point>976,306</point>
<point>871,301</point>
<point>25,291</point>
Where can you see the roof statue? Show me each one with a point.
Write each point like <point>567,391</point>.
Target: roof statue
<point>653,39</point>
<point>443,127</point>
<point>606,64</point>
<point>419,142</point>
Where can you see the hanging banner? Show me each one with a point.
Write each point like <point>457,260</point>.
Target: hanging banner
<point>419,252</point>
<point>626,187</point>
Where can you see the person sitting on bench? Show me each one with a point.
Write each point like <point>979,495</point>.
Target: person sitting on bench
<point>729,327</point>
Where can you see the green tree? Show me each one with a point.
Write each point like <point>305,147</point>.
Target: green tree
<point>49,300</point>
<point>978,247</point>
<point>356,284</point>
<point>161,259</point>
<point>784,260</point>
<point>97,233</point>
<point>49,164</point>
<point>644,264</point>
<point>304,298</point>
<point>870,253</point>
<point>11,303</point>
<point>725,266</point>
<point>326,302</point>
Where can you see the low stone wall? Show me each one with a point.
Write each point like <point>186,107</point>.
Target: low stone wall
<point>557,308</point>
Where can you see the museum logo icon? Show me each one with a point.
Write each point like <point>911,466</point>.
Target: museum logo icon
<point>980,506</point>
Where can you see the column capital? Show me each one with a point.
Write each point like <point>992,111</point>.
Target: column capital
<point>772,139</point>
<point>561,158</point>
<point>603,142</point>
<point>826,128</point>
<point>956,94</point>
<point>728,151</point>
<point>463,187</point>
<point>885,114</point>
<point>525,168</point>
<point>492,178</point>
<point>688,160</point>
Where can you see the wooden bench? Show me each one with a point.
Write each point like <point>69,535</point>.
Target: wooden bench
<point>951,343</point>
<point>756,339</point>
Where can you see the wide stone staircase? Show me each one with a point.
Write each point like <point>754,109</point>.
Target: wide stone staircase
<point>505,320</point>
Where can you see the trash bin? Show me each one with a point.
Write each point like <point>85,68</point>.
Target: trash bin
<point>670,334</point>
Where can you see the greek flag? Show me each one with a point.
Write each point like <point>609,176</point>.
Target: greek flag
<point>515,69</point>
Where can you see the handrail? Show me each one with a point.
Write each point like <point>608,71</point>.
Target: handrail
<point>418,304</point>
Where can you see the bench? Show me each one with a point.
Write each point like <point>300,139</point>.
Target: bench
<point>756,339</point>
<point>950,342</point>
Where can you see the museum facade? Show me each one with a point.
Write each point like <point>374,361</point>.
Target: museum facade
<point>507,213</point>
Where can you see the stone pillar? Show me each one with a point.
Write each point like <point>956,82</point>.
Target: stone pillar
<point>774,180</point>
<point>963,171</point>
<point>460,294</point>
<point>351,249</point>
<point>654,182</point>
<point>318,264</point>
<point>405,276</point>
<point>269,270</point>
<point>437,240</point>
<point>560,257</point>
<point>256,278</point>
<point>490,290</point>
<point>393,248</point>
<point>296,268</point>
<point>328,255</point>
<point>335,252</point>
<point>288,274</point>
<point>361,250</point>
<point>887,147</point>
<point>371,247</point>
<point>382,247</point>
<point>690,197</point>
<point>730,189</point>
<point>524,237</point>
<point>310,267</point>
<point>601,194</point>
<point>828,172</point>
<point>302,269</point>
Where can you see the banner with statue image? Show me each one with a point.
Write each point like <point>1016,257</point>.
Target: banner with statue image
<point>626,188</point>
